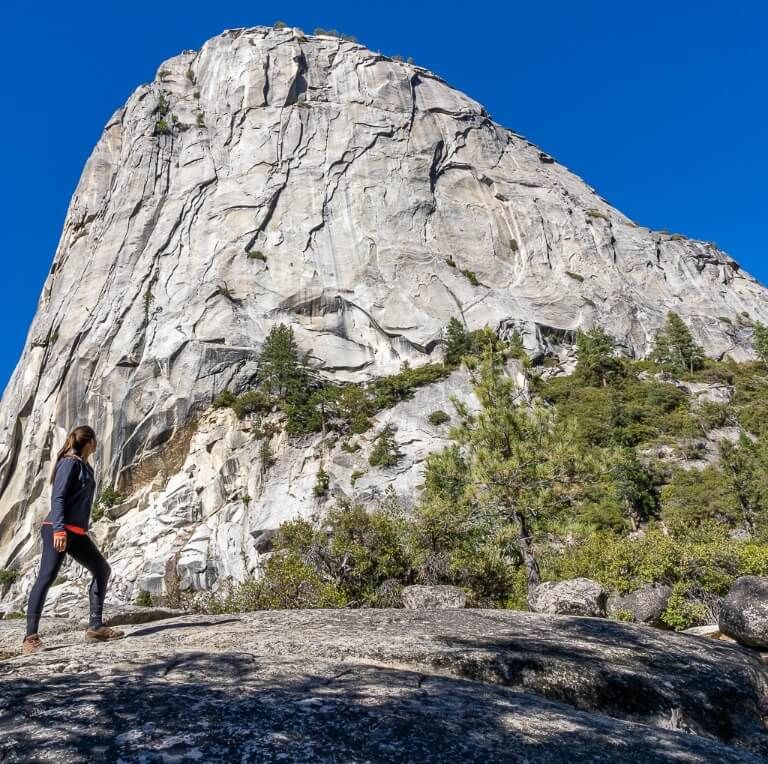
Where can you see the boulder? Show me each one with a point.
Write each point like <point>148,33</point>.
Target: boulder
<point>744,612</point>
<point>433,597</point>
<point>577,596</point>
<point>646,605</point>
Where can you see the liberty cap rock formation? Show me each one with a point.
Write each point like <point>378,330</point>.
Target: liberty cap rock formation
<point>367,185</point>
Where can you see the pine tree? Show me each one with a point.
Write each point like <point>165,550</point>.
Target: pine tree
<point>385,452</point>
<point>281,372</point>
<point>522,460</point>
<point>596,363</point>
<point>457,342</point>
<point>675,346</point>
<point>761,342</point>
<point>633,484</point>
<point>745,464</point>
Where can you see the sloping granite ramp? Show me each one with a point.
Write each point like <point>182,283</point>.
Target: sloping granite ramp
<point>381,685</point>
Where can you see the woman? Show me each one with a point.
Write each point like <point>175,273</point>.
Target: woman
<point>65,529</point>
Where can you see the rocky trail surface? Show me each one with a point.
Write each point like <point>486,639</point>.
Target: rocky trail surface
<point>381,685</point>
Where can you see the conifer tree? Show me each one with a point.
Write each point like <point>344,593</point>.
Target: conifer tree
<point>281,372</point>
<point>385,452</point>
<point>522,460</point>
<point>761,342</point>
<point>596,363</point>
<point>675,346</point>
<point>457,341</point>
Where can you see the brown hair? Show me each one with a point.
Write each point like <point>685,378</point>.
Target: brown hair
<point>75,441</point>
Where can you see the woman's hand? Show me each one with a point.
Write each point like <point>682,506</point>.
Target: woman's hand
<point>60,541</point>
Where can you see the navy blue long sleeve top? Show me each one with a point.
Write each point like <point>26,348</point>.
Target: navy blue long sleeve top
<point>74,485</point>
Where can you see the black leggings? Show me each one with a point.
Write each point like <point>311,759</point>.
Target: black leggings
<point>84,551</point>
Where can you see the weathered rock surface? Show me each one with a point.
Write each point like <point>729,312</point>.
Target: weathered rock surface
<point>646,605</point>
<point>431,597</point>
<point>382,685</point>
<point>744,612</point>
<point>576,596</point>
<point>367,185</point>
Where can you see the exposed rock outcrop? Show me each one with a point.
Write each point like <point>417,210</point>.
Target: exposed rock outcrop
<point>272,176</point>
<point>383,685</point>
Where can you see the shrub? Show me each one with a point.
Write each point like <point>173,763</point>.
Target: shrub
<point>322,482</point>
<point>163,105</point>
<point>471,277</point>
<point>350,446</point>
<point>165,73</point>
<point>13,615</point>
<point>256,255</point>
<point>438,417</point>
<point>356,475</point>
<point>279,25</point>
<point>225,399</point>
<point>108,498</point>
<point>250,402</point>
<point>266,456</point>
<point>161,128</point>
<point>390,390</point>
<point>143,599</point>
<point>334,33</point>
<point>200,119</point>
<point>8,576</point>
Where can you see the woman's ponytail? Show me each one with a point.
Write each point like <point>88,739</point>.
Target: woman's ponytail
<point>75,441</point>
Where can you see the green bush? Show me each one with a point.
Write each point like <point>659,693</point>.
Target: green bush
<point>471,277</point>
<point>266,456</point>
<point>250,402</point>
<point>322,482</point>
<point>143,599</point>
<point>13,615</point>
<point>224,399</point>
<point>8,576</point>
<point>107,499</point>
<point>161,128</point>
<point>356,475</point>
<point>256,255</point>
<point>438,417</point>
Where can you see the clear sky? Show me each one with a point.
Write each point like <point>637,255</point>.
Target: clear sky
<point>661,106</point>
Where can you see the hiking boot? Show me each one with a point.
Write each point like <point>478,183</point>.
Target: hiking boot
<point>31,644</point>
<point>102,634</point>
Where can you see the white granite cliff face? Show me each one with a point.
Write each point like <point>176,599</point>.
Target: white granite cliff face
<point>358,178</point>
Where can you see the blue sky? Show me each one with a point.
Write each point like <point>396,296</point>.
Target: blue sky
<point>661,106</point>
